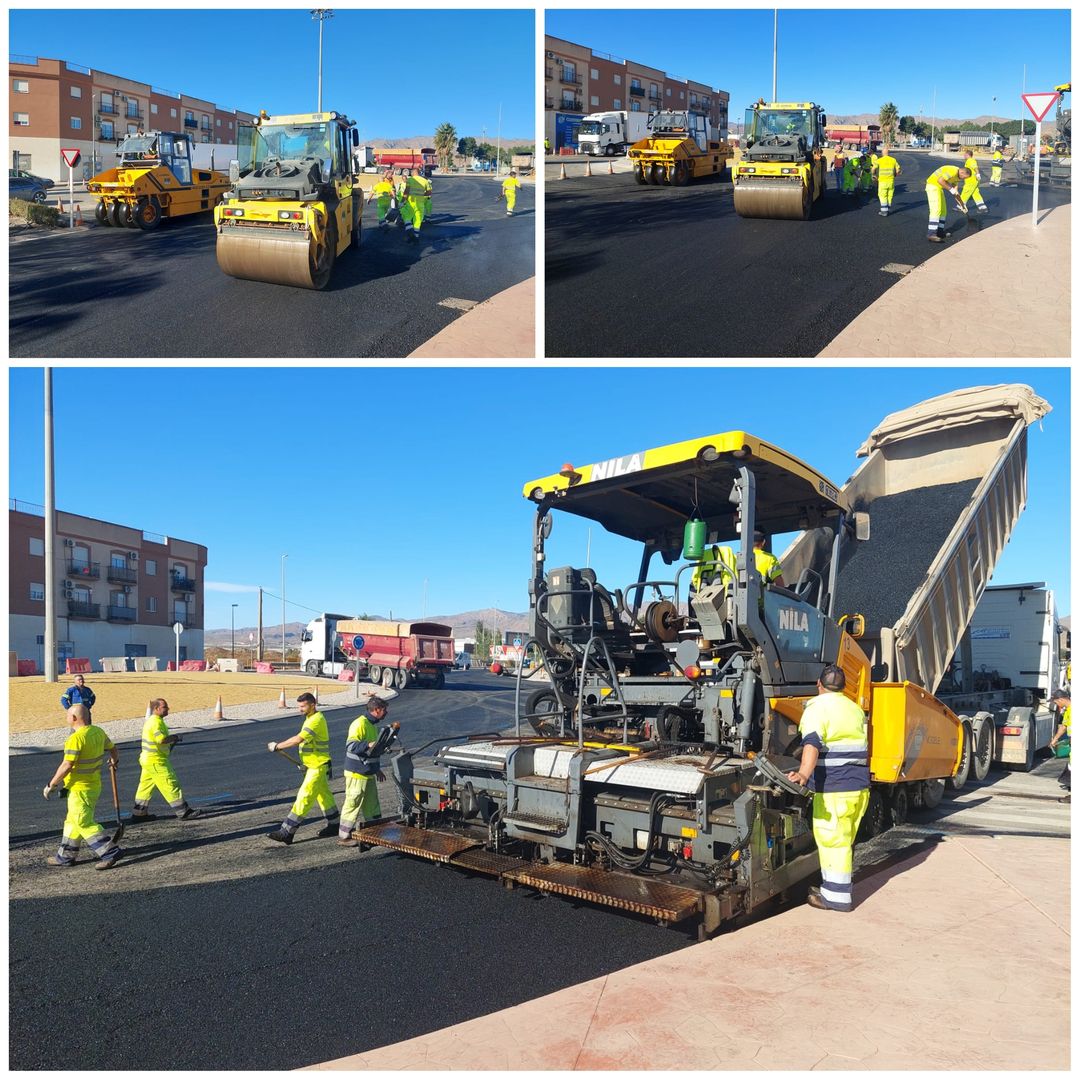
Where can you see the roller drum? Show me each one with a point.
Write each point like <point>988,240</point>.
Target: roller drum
<point>274,256</point>
<point>771,199</point>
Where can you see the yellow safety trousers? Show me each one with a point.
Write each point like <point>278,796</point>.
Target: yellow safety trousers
<point>159,776</point>
<point>315,788</point>
<point>995,173</point>
<point>79,824</point>
<point>836,820</point>
<point>885,190</point>
<point>970,190</point>
<point>511,198</point>
<point>361,800</point>
<point>382,205</point>
<point>413,209</point>
<point>935,196</point>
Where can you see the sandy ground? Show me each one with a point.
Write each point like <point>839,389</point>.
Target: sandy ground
<point>34,705</point>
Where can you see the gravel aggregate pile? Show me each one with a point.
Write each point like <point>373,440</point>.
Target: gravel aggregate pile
<point>906,532</point>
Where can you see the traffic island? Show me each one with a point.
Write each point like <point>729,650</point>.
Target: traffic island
<point>503,327</point>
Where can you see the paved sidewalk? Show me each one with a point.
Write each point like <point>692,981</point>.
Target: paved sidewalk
<point>503,327</point>
<point>1003,293</point>
<point>956,958</point>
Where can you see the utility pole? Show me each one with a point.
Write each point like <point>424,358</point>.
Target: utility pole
<point>933,121</point>
<point>775,27</point>
<point>283,558</point>
<point>320,15</point>
<point>232,636</point>
<point>992,108</point>
<point>50,537</point>
<point>498,151</point>
<point>259,652</point>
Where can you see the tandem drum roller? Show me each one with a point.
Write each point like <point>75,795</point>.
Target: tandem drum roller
<point>772,199</point>
<point>277,257</point>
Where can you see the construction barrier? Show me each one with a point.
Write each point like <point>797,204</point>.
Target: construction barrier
<point>171,665</point>
<point>78,666</point>
<point>229,665</point>
<point>346,675</point>
<point>113,663</point>
<point>192,665</point>
<point>264,668</point>
<point>26,667</point>
<point>146,663</point>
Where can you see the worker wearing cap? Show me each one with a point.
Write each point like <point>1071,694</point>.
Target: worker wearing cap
<point>946,179</point>
<point>998,159</point>
<point>80,773</point>
<point>383,193</point>
<point>314,742</point>
<point>835,765</point>
<point>509,192</point>
<point>361,771</point>
<point>1063,702</point>
<point>886,170</point>
<point>157,770</point>
<point>79,694</point>
<point>971,185</point>
<point>838,162</point>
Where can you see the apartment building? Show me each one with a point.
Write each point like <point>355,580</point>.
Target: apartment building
<point>55,104</point>
<point>119,590</point>
<point>578,81</point>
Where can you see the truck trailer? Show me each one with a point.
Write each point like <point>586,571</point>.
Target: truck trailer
<point>609,133</point>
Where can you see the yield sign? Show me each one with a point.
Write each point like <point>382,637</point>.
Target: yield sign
<point>71,156</point>
<point>1040,104</point>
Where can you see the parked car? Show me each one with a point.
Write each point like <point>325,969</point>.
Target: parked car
<point>22,174</point>
<point>31,190</point>
<point>463,660</point>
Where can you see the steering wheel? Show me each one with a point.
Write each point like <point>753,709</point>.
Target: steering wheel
<point>773,775</point>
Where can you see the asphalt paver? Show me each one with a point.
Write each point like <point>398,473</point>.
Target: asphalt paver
<point>121,293</point>
<point>669,272</point>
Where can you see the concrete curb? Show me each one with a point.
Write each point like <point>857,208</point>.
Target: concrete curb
<point>502,327</point>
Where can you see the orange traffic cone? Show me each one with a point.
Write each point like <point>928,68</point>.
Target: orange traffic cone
<point>281,702</point>
<point>562,172</point>
<point>611,168</point>
<point>588,168</point>
<point>78,214</point>
<point>218,712</point>
<point>60,204</point>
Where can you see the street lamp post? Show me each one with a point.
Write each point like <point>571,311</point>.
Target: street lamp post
<point>994,100</point>
<point>232,636</point>
<point>320,15</point>
<point>775,20</point>
<point>283,558</point>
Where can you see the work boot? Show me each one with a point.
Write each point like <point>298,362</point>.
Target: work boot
<point>108,861</point>
<point>189,813</point>
<point>815,900</point>
<point>935,239</point>
<point>348,842</point>
<point>281,836</point>
<point>329,829</point>
<point>883,213</point>
<point>135,818</point>
<point>984,209</point>
<point>55,860</point>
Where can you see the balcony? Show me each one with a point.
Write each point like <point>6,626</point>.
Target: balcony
<point>549,103</point>
<point>107,110</point>
<point>182,584</point>
<point>570,77</point>
<point>123,574</point>
<point>654,95</point>
<point>569,105</point>
<point>185,617</point>
<point>190,122</point>
<point>80,609</point>
<point>205,125</point>
<point>637,91</point>
<point>549,73</point>
<point>121,614</point>
<point>133,115</point>
<point>83,570</point>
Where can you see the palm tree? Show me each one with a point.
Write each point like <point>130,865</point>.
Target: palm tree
<point>445,144</point>
<point>889,118</point>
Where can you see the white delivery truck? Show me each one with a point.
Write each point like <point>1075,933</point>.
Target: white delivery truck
<point>319,651</point>
<point>611,133</point>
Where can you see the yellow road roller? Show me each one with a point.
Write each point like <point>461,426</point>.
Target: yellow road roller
<point>781,173</point>
<point>293,204</point>
<point>154,180</point>
<point>677,149</point>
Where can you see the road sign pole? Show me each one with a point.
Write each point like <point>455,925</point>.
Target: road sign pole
<point>1035,184</point>
<point>71,196</point>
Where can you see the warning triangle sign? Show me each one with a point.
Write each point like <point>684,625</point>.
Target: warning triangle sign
<point>1040,104</point>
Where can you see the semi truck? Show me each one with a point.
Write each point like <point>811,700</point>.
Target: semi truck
<point>611,133</point>
<point>651,775</point>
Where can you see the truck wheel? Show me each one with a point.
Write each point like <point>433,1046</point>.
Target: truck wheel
<point>101,214</point>
<point>440,679</point>
<point>402,679</point>
<point>148,214</point>
<point>312,668</point>
<point>375,674</point>
<point>963,771</point>
<point>388,679</point>
<point>876,818</point>
<point>900,805</point>
<point>933,791</point>
<point>609,150</point>
<point>543,707</point>
<point>982,743</point>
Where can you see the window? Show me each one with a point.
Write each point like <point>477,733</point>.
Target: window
<point>22,119</point>
<point>153,108</point>
<point>151,604</point>
<point>172,113</point>
<point>21,86</point>
<point>76,91</point>
<point>37,545</point>
<point>133,108</point>
<point>593,73</point>
<point>230,125</point>
<point>669,91</point>
<point>107,103</point>
<point>118,560</point>
<point>635,83</point>
<point>106,129</point>
<point>80,594</point>
<point>594,101</point>
<point>118,598</point>
<point>37,590</point>
<point>151,567</point>
<point>76,123</point>
<point>618,80</point>
<point>618,103</point>
<point>682,96</point>
<point>218,122</point>
<point>635,106</point>
<point>80,556</point>
<point>132,129</point>
<point>189,116</point>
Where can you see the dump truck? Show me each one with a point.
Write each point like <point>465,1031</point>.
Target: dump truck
<point>781,172</point>
<point>679,147</point>
<point>650,776</point>
<point>293,204</point>
<point>154,180</point>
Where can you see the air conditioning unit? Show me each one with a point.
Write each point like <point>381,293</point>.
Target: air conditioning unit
<point>551,56</point>
<point>68,543</point>
<point>133,556</point>
<point>69,594</point>
<point>67,583</point>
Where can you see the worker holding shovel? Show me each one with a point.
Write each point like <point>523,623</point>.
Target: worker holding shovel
<point>157,770</point>
<point>363,745</point>
<point>314,742</point>
<point>80,774</point>
<point>509,192</point>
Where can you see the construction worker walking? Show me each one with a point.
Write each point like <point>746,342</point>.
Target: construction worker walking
<point>838,162</point>
<point>157,771</point>
<point>835,764</point>
<point>383,193</point>
<point>971,185</point>
<point>509,192</point>
<point>997,161</point>
<point>946,179</point>
<point>361,771</point>
<point>886,170</point>
<point>80,773</point>
<point>413,197</point>
<point>314,742</point>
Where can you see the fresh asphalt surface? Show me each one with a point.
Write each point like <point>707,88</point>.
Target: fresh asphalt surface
<point>638,270</point>
<point>298,955</point>
<point>105,292</point>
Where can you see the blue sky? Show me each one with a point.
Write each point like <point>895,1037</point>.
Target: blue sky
<point>377,479</point>
<point>397,73</point>
<point>847,60</point>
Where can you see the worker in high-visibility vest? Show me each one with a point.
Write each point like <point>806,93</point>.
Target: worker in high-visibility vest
<point>80,773</point>
<point>314,742</point>
<point>971,185</point>
<point>866,169</point>
<point>835,764</point>
<point>767,564</point>
<point>949,178</point>
<point>886,170</point>
<point>850,174</point>
<point>1063,702</point>
<point>383,193</point>
<point>361,771</point>
<point>997,161</point>
<point>509,192</point>
<point>413,196</point>
<point>838,162</point>
<point>157,770</point>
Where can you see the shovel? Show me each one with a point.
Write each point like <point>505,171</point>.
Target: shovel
<point>289,757</point>
<point>116,803</point>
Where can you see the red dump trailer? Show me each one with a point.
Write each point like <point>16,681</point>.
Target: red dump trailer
<point>398,654</point>
<point>400,157</point>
